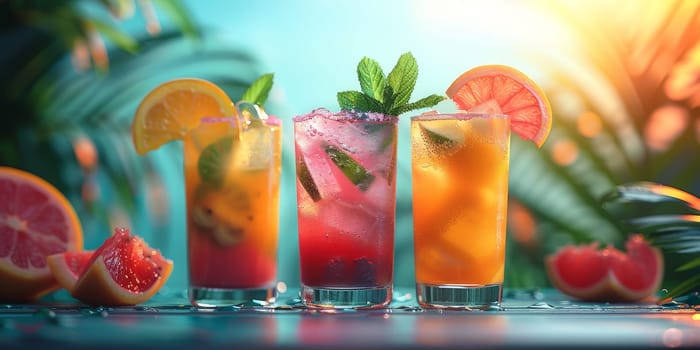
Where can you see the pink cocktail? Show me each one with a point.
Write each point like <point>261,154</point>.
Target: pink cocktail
<point>346,197</point>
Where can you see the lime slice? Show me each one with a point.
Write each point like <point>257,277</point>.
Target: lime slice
<point>443,134</point>
<point>213,161</point>
<point>352,169</point>
<point>306,180</point>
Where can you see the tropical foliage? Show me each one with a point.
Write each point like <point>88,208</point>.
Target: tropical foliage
<point>630,116</point>
<point>69,89</point>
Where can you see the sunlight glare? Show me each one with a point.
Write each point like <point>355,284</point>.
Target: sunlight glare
<point>514,25</point>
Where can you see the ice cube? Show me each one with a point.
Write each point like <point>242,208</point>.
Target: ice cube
<point>380,196</point>
<point>354,219</point>
<point>357,133</point>
<point>319,165</point>
<point>254,149</point>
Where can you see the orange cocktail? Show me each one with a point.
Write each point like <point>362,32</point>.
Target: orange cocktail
<point>460,192</point>
<point>232,189</point>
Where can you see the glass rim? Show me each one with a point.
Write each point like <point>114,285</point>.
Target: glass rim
<point>347,115</point>
<point>462,115</point>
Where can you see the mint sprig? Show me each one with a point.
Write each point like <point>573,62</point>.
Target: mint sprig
<point>259,90</point>
<point>386,94</point>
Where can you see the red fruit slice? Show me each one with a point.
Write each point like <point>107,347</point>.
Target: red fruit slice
<point>124,270</point>
<point>36,220</point>
<point>505,90</point>
<point>67,267</point>
<point>586,273</point>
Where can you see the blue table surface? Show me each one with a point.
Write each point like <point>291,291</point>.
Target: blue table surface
<point>537,319</point>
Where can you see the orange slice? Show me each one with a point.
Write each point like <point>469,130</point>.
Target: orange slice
<point>505,90</point>
<point>36,220</point>
<point>124,270</point>
<point>67,267</point>
<point>174,108</point>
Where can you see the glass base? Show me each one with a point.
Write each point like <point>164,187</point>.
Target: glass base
<point>222,297</point>
<point>459,296</point>
<point>346,298</point>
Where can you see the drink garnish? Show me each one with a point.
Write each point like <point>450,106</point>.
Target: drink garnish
<point>390,94</point>
<point>210,164</point>
<point>505,90</point>
<point>443,135</point>
<point>385,94</point>
<point>357,174</point>
<point>306,180</point>
<point>214,158</point>
<point>259,90</point>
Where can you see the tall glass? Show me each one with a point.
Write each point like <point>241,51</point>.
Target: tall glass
<point>346,198</point>
<point>232,188</point>
<point>460,196</point>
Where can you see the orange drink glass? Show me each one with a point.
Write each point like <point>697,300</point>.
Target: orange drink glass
<point>232,171</point>
<point>460,193</point>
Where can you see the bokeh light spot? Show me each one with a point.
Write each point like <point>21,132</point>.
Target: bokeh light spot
<point>589,124</point>
<point>522,223</point>
<point>672,338</point>
<point>565,152</point>
<point>665,125</point>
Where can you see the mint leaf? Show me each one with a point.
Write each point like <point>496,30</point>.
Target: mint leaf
<point>403,79</point>
<point>425,102</point>
<point>358,101</point>
<point>211,164</point>
<point>371,77</point>
<point>389,99</point>
<point>258,92</point>
<point>388,95</point>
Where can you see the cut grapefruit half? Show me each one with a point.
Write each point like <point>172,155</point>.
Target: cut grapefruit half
<point>504,90</point>
<point>607,275</point>
<point>67,267</point>
<point>172,109</point>
<point>36,220</point>
<point>124,270</point>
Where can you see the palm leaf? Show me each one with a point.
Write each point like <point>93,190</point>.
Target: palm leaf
<point>53,105</point>
<point>668,217</point>
<point>583,199</point>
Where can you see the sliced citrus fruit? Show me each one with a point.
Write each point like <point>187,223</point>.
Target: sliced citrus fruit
<point>588,273</point>
<point>36,220</point>
<point>505,90</point>
<point>67,267</point>
<point>174,108</point>
<point>124,270</point>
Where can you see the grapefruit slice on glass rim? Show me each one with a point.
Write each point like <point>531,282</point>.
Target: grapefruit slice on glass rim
<point>504,90</point>
<point>36,220</point>
<point>608,275</point>
<point>124,270</point>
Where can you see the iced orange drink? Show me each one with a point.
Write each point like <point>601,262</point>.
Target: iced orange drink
<point>460,184</point>
<point>232,191</point>
<point>460,192</point>
<point>231,155</point>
